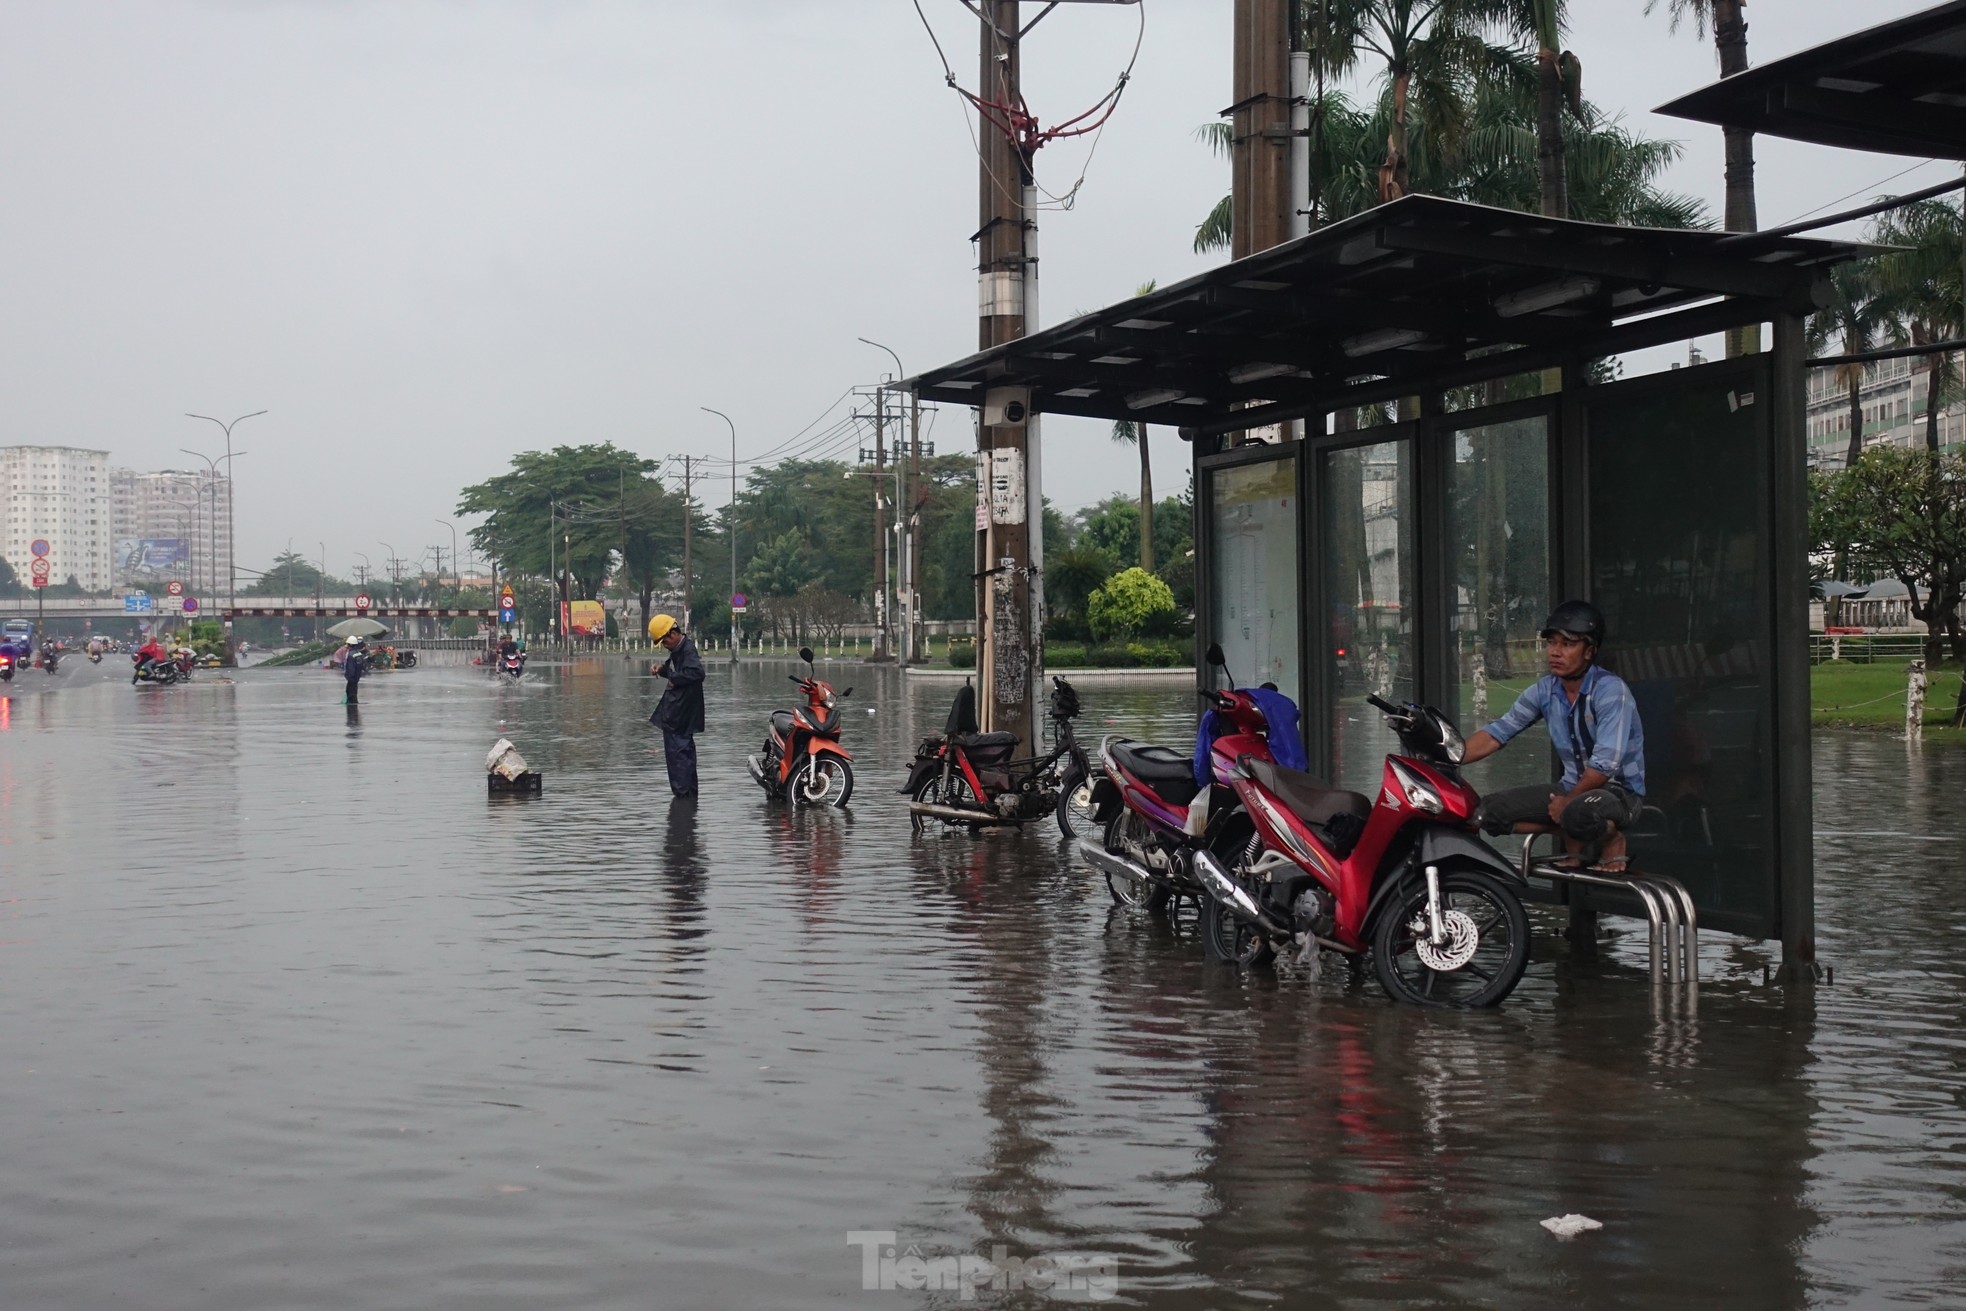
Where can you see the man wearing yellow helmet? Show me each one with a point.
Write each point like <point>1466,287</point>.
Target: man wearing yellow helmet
<point>679,714</point>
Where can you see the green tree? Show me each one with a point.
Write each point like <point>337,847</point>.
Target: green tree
<point>1072,574</point>
<point>1126,603</point>
<point>9,581</point>
<point>557,514</point>
<point>1920,286</point>
<point>1902,514</point>
<point>293,575</point>
<point>1851,323</point>
<point>782,566</point>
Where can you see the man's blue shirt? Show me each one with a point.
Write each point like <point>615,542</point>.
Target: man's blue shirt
<point>1601,731</point>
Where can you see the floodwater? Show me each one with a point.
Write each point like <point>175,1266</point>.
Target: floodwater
<point>293,1015</point>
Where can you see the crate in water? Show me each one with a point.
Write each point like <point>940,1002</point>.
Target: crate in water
<point>528,783</point>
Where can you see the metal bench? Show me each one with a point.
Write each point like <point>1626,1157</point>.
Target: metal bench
<point>1673,951</point>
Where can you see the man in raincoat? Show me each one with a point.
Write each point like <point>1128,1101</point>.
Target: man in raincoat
<point>353,666</point>
<point>679,714</point>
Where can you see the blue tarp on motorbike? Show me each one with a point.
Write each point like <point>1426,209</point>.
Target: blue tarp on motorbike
<point>1280,726</point>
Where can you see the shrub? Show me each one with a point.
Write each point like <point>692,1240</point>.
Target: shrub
<point>1126,603</point>
<point>962,653</point>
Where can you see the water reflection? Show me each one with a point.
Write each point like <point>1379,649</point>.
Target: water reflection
<point>597,1048</point>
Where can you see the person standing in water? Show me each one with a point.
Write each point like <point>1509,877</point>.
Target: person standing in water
<point>679,714</point>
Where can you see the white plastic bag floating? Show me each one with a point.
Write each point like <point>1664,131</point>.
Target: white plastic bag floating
<point>505,760</point>
<point>1569,1226</point>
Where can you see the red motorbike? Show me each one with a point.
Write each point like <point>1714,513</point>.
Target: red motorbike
<point>1405,880</point>
<point>802,757</point>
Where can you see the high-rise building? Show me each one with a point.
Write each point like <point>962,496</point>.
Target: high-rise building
<point>61,495</point>
<point>172,525</point>
<point>1891,398</point>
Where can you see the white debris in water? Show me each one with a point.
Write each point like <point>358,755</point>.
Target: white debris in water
<point>505,760</point>
<point>1569,1226</point>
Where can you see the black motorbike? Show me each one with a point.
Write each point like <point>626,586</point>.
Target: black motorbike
<point>964,777</point>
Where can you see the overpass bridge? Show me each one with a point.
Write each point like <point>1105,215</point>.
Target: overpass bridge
<point>250,607</point>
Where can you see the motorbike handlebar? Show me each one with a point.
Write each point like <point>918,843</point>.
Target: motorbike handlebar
<point>1386,706</point>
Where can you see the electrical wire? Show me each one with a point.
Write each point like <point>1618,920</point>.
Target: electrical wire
<point>1858,192</point>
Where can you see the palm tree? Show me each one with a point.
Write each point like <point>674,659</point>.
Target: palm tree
<point>1730,39</point>
<point>1559,85</point>
<point>1920,285</point>
<point>1853,321</point>
<point>1135,433</point>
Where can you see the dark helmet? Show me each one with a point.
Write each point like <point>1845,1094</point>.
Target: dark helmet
<point>1578,619</point>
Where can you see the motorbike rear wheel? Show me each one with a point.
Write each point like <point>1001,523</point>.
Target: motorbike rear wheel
<point>1124,828</point>
<point>821,781</point>
<point>1226,940</point>
<point>1075,804</point>
<point>959,795</point>
<point>1487,941</point>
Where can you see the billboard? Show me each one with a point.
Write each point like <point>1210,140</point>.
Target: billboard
<point>150,557</point>
<point>587,619</point>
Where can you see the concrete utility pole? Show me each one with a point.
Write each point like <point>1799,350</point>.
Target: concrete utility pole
<point>883,647</point>
<point>1260,126</point>
<point>909,555</point>
<point>689,576</point>
<point>1010,551</point>
<point>730,526</point>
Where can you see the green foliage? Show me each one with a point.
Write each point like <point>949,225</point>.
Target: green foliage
<point>1072,574</point>
<point>1128,655</point>
<point>782,566</point>
<point>1127,602</point>
<point>307,654</point>
<point>962,653</point>
<point>1901,514</point>
<point>1920,286</point>
<point>292,574</point>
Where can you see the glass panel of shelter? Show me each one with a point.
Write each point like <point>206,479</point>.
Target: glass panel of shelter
<point>1366,541</point>
<point>1253,599</point>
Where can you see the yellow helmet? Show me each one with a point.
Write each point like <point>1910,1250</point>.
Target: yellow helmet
<point>660,627</point>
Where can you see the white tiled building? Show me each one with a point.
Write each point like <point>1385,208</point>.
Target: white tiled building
<point>171,525</point>
<point>60,494</point>
<point>1893,400</point>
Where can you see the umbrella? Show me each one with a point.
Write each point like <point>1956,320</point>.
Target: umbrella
<point>358,628</point>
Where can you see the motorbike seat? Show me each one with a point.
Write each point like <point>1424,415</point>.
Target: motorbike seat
<point>1310,800</point>
<point>781,723</point>
<point>1169,773</point>
<point>985,741</point>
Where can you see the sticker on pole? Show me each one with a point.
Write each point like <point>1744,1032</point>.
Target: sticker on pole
<point>362,600</point>
<point>174,587</point>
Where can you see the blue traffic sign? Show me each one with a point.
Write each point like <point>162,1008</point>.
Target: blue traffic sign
<point>138,604</point>
<point>507,616</point>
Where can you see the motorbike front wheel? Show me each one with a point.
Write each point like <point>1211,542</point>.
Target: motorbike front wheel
<point>1075,804</point>
<point>1483,951</point>
<point>822,781</point>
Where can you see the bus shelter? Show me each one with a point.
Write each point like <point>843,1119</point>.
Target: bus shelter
<point>1409,441</point>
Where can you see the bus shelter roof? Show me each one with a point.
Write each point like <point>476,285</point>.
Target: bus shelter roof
<point>1898,88</point>
<point>1417,295</point>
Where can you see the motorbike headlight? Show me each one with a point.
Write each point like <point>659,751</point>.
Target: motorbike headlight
<point>829,703</point>
<point>1419,793</point>
<point>1452,744</point>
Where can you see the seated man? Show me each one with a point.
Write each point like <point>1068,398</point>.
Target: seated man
<point>1594,727</point>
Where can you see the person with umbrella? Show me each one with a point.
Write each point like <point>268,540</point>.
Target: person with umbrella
<point>353,666</point>
<point>679,714</point>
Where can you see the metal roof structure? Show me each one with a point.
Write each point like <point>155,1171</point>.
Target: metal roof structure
<point>1416,295</point>
<point>1898,88</point>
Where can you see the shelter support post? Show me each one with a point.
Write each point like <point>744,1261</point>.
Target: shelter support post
<point>1795,857</point>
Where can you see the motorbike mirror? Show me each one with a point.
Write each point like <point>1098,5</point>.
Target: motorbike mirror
<point>1215,656</point>
<point>848,692</point>
<point>805,654</point>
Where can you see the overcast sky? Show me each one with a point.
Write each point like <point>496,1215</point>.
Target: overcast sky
<point>426,235</point>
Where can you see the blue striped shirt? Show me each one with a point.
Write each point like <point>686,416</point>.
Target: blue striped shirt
<point>1600,731</point>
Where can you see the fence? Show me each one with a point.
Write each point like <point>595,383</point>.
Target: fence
<point>1865,649</point>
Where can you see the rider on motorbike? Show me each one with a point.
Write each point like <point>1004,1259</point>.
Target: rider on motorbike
<point>1594,726</point>
<point>147,655</point>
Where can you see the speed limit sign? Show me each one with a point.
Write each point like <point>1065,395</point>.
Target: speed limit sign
<point>361,600</point>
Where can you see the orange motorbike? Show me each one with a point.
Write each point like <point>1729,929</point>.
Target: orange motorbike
<point>802,757</point>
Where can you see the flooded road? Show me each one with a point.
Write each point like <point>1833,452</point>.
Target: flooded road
<point>293,1015</point>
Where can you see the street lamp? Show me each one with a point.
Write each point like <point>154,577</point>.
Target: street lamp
<point>904,514</point>
<point>731,527</point>
<point>231,554</point>
<point>392,570</point>
<point>457,566</point>
<point>211,559</point>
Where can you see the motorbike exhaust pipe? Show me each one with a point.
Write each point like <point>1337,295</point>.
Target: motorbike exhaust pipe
<point>955,814</point>
<point>1223,887</point>
<point>1107,862</point>
<point>757,767</point>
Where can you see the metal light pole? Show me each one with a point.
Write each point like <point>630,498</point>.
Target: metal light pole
<point>231,551</point>
<point>320,586</point>
<point>731,527</point>
<point>392,570</point>
<point>367,568</point>
<point>903,513</point>
<point>457,566</point>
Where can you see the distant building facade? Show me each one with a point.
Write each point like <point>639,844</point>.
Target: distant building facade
<point>1893,400</point>
<point>171,525</point>
<point>60,495</point>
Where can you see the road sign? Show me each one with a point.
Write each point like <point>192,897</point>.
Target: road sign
<point>191,605</point>
<point>174,587</point>
<point>362,600</point>
<point>507,602</point>
<point>139,604</point>
<point>739,601</point>
<point>507,614</point>
<point>39,568</point>
<point>40,546</point>
<point>40,580</point>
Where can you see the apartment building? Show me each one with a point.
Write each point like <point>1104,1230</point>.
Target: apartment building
<point>61,495</point>
<point>1893,399</point>
<point>171,524</point>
